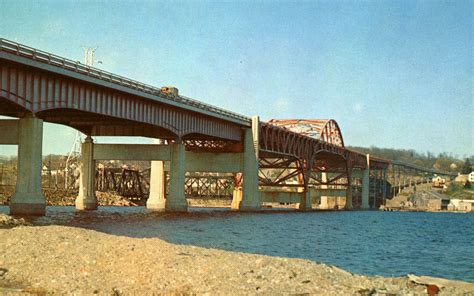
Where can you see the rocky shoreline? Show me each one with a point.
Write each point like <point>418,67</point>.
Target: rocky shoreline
<point>61,197</point>
<point>70,260</point>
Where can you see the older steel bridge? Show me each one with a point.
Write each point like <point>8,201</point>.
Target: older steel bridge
<point>280,160</point>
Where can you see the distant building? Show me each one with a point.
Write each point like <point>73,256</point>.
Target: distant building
<point>461,178</point>
<point>471,177</point>
<point>464,205</point>
<point>438,182</point>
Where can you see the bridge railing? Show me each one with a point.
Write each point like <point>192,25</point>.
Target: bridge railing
<point>421,169</point>
<point>78,67</point>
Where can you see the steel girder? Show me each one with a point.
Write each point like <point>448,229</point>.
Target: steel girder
<point>100,103</point>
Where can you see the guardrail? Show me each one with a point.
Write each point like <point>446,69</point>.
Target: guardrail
<point>422,169</point>
<point>78,67</point>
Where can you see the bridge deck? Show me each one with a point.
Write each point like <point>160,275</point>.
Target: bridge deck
<point>100,103</point>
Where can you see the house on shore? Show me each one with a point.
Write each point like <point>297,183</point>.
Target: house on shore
<point>461,205</point>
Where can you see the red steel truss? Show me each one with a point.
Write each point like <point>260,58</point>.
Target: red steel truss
<point>326,130</point>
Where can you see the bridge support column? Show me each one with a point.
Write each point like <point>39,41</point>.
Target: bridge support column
<point>86,200</point>
<point>365,185</point>
<point>324,204</point>
<point>349,205</point>
<point>324,199</point>
<point>400,181</point>
<point>156,200</point>
<point>28,198</point>
<point>305,202</point>
<point>236,199</point>
<point>384,186</point>
<point>250,200</point>
<point>176,199</point>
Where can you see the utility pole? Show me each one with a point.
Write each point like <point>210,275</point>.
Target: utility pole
<point>73,155</point>
<point>89,56</point>
<point>89,60</point>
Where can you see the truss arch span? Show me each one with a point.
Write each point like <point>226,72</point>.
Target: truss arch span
<point>326,130</point>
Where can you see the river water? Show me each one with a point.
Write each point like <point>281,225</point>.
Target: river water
<point>364,242</point>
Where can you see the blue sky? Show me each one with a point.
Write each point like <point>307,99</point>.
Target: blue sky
<point>394,74</point>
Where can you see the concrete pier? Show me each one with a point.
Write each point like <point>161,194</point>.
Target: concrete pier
<point>365,186</point>
<point>349,205</point>
<point>86,200</point>
<point>250,199</point>
<point>324,199</point>
<point>384,186</point>
<point>176,200</point>
<point>156,200</point>
<point>305,203</point>
<point>28,198</point>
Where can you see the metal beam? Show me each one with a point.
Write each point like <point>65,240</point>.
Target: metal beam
<point>131,152</point>
<point>214,162</point>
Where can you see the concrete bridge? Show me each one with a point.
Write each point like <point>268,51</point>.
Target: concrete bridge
<point>296,161</point>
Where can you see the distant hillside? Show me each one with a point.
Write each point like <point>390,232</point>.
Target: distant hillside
<point>442,162</point>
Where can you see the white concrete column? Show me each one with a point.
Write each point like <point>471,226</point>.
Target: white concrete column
<point>365,185</point>
<point>250,195</point>
<point>86,200</point>
<point>156,199</point>
<point>28,198</point>
<point>236,198</point>
<point>324,199</point>
<point>400,184</point>
<point>176,199</point>
<point>324,203</point>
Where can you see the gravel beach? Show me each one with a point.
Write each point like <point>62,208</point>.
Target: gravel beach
<point>70,260</point>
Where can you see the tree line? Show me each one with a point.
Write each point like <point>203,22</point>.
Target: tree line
<point>442,161</point>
